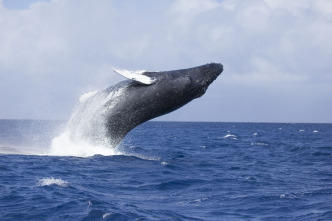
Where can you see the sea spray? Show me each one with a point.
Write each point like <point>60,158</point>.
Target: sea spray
<point>86,132</point>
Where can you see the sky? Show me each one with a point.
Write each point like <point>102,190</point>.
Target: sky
<point>276,55</point>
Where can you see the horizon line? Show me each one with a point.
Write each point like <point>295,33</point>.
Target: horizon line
<point>183,121</point>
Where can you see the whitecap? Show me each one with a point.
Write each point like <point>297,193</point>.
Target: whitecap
<point>259,144</point>
<point>107,215</point>
<point>142,157</point>
<point>255,134</point>
<point>229,135</point>
<point>301,130</point>
<point>164,163</point>
<point>315,131</point>
<point>52,181</point>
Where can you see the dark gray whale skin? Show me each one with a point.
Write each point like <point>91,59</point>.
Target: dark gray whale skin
<point>138,103</point>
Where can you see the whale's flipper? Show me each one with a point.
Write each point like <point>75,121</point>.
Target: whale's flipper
<point>138,76</point>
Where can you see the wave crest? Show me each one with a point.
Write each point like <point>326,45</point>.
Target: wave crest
<point>52,181</point>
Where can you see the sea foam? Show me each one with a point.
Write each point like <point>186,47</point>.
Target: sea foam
<point>52,181</point>
<point>230,136</point>
<point>63,145</point>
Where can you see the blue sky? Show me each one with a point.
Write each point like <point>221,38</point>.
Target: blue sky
<point>276,54</point>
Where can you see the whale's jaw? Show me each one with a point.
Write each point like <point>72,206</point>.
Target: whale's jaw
<point>203,76</point>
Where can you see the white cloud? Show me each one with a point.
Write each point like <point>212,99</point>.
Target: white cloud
<point>53,51</point>
<point>294,6</point>
<point>185,10</point>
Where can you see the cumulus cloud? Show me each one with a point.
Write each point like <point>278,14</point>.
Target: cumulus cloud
<point>53,51</point>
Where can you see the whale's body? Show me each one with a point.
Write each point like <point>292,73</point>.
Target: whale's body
<point>113,112</point>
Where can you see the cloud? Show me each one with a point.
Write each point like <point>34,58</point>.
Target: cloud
<point>51,52</point>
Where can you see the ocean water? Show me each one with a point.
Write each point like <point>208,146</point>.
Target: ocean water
<point>168,171</point>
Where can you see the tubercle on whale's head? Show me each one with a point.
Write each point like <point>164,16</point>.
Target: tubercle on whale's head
<point>203,76</point>
<point>208,73</point>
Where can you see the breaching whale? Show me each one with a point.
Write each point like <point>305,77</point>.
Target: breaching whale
<point>115,111</point>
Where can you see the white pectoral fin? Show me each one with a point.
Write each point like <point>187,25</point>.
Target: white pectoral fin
<point>136,76</point>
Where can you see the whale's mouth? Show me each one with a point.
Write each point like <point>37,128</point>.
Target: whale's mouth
<point>201,92</point>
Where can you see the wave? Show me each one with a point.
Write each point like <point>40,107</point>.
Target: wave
<point>52,181</point>
<point>259,144</point>
<point>231,136</point>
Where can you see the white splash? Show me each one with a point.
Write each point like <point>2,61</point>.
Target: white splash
<point>86,133</point>
<point>86,96</point>
<point>52,181</point>
<point>64,145</point>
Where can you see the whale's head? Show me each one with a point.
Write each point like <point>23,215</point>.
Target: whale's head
<point>185,84</point>
<point>173,89</point>
<point>202,76</point>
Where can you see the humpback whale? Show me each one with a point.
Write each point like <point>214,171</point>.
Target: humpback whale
<point>113,112</point>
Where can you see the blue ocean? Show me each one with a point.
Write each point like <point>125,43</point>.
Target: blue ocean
<point>168,171</point>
